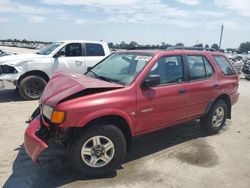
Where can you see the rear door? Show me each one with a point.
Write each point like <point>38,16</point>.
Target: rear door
<point>71,59</point>
<point>165,104</point>
<point>203,84</point>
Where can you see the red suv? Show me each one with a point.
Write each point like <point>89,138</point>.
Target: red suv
<point>130,93</point>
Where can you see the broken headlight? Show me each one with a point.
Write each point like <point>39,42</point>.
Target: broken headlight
<point>6,69</point>
<point>47,111</point>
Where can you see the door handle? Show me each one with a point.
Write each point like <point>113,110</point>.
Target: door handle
<point>182,91</point>
<point>79,62</point>
<point>216,86</point>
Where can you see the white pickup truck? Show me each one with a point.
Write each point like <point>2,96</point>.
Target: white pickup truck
<point>31,72</point>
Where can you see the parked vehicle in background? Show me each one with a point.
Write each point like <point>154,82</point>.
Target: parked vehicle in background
<point>5,53</point>
<point>31,72</point>
<point>238,65</point>
<point>246,70</point>
<point>130,93</point>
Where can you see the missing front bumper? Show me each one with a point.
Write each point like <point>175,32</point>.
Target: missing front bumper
<point>32,143</point>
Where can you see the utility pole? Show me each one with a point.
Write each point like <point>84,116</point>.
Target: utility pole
<point>221,34</point>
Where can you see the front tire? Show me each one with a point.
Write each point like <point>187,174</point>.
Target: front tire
<point>31,87</point>
<point>97,150</point>
<point>214,121</point>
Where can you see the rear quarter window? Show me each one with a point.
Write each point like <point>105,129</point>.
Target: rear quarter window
<point>224,65</point>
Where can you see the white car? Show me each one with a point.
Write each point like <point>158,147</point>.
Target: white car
<point>31,72</point>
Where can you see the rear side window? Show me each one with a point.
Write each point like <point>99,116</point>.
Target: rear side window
<point>94,49</point>
<point>225,65</point>
<point>199,68</point>
<point>208,68</point>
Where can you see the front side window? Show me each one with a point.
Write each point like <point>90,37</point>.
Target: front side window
<point>121,68</point>
<point>170,69</point>
<point>72,50</point>
<point>225,65</point>
<point>94,49</point>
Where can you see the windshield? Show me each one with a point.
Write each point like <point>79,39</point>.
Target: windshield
<point>48,49</point>
<point>120,68</point>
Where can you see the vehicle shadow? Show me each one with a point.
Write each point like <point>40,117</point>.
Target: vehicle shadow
<point>9,95</point>
<point>52,171</point>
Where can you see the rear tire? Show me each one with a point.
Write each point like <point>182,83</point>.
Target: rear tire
<point>31,87</point>
<point>94,158</point>
<point>214,121</point>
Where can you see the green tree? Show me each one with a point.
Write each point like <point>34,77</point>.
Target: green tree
<point>179,44</point>
<point>132,44</point>
<point>123,45</point>
<point>111,45</point>
<point>206,46</point>
<point>199,45</point>
<point>215,46</point>
<point>244,47</point>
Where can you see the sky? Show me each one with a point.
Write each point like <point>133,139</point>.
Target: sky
<point>144,21</point>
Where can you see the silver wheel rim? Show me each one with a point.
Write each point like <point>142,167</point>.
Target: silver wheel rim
<point>218,117</point>
<point>97,151</point>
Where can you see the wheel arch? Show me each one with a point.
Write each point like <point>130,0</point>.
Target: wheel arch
<point>33,73</point>
<point>226,98</point>
<point>116,120</point>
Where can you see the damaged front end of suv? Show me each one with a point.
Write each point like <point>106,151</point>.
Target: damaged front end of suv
<point>52,124</point>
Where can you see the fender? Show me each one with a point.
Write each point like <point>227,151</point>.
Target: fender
<point>107,112</point>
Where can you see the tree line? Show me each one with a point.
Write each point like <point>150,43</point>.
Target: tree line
<point>24,41</point>
<point>163,45</point>
<point>243,48</point>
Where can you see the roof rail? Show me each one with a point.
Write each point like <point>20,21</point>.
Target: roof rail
<point>191,48</point>
<point>144,48</point>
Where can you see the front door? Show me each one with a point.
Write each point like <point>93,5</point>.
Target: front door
<point>71,59</point>
<point>165,104</point>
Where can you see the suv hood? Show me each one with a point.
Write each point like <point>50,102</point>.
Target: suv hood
<point>63,85</point>
<point>18,58</point>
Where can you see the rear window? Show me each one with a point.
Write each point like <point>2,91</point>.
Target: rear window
<point>94,49</point>
<point>225,65</point>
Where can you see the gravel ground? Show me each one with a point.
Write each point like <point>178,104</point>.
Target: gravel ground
<point>18,50</point>
<point>181,156</point>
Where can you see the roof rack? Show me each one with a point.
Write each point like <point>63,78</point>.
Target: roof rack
<point>191,48</point>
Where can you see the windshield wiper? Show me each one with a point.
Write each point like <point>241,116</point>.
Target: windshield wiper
<point>105,78</point>
<point>95,75</point>
<point>111,80</point>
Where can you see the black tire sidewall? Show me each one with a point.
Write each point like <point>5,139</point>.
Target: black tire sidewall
<point>207,121</point>
<point>24,83</point>
<point>109,131</point>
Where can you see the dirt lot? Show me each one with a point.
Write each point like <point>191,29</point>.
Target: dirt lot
<point>18,50</point>
<point>181,156</point>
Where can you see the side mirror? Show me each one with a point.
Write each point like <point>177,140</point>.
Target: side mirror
<point>151,81</point>
<point>59,54</point>
<point>89,68</point>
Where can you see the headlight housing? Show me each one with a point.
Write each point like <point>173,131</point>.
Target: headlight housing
<point>54,116</point>
<point>47,111</point>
